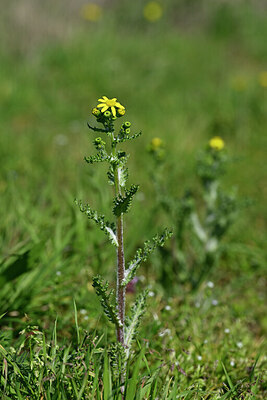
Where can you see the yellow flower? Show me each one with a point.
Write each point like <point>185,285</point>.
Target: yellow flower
<point>263,79</point>
<point>91,12</point>
<point>216,143</point>
<point>112,104</point>
<point>239,83</point>
<point>156,143</point>
<point>153,11</point>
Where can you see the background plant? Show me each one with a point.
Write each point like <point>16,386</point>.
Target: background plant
<point>201,220</point>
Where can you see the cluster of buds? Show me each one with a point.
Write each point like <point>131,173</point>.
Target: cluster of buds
<point>99,143</point>
<point>124,131</point>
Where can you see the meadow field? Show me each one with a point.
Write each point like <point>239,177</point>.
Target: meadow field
<point>185,71</point>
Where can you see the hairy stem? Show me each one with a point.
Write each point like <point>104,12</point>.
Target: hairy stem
<point>120,290</point>
<point>120,277</point>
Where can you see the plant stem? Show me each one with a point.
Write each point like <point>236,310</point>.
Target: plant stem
<point>120,277</point>
<point>120,290</point>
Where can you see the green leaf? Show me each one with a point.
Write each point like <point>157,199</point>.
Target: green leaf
<point>107,379</point>
<point>123,136</point>
<point>109,308</point>
<point>123,203</point>
<point>95,129</point>
<point>99,157</point>
<point>76,322</point>
<point>137,311</point>
<point>123,175</point>
<point>132,383</point>
<point>230,383</point>
<point>107,227</point>
<point>143,253</point>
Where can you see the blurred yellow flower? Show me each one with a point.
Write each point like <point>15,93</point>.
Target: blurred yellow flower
<point>239,83</point>
<point>216,143</point>
<point>156,143</point>
<point>153,11</point>
<point>110,103</point>
<point>263,79</point>
<point>91,12</point>
<point>3,186</point>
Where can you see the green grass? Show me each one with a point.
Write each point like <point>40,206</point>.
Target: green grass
<point>185,86</point>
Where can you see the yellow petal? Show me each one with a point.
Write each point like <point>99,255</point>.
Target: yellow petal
<point>113,110</point>
<point>114,99</point>
<point>101,105</point>
<point>104,108</point>
<point>105,97</point>
<point>118,105</point>
<point>102,101</point>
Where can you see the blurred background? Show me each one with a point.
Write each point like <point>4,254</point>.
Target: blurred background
<point>186,70</point>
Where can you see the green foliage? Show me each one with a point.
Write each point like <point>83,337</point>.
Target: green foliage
<point>142,254</point>
<point>122,203</point>
<point>108,227</point>
<point>99,157</point>
<point>133,321</point>
<point>106,300</point>
<point>199,229</point>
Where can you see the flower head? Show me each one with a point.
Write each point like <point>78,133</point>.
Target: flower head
<point>111,104</point>
<point>263,79</point>
<point>157,149</point>
<point>216,143</point>
<point>91,12</point>
<point>239,83</point>
<point>156,143</point>
<point>152,11</point>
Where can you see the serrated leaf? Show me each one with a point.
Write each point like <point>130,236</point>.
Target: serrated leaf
<point>123,136</point>
<point>123,203</point>
<point>105,299</point>
<point>107,227</point>
<point>111,178</point>
<point>101,156</point>
<point>133,321</point>
<point>123,175</point>
<point>112,236</point>
<point>143,253</point>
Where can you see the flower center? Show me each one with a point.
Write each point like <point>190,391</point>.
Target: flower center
<point>111,103</point>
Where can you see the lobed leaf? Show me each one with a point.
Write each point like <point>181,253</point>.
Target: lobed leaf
<point>106,226</point>
<point>123,203</point>
<point>109,308</point>
<point>137,311</point>
<point>101,156</point>
<point>143,253</point>
<point>122,137</point>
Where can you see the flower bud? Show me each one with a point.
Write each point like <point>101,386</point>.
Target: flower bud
<point>107,114</point>
<point>127,124</point>
<point>121,112</point>
<point>99,143</point>
<point>95,112</point>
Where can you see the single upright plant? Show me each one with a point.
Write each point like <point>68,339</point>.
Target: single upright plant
<point>106,113</point>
